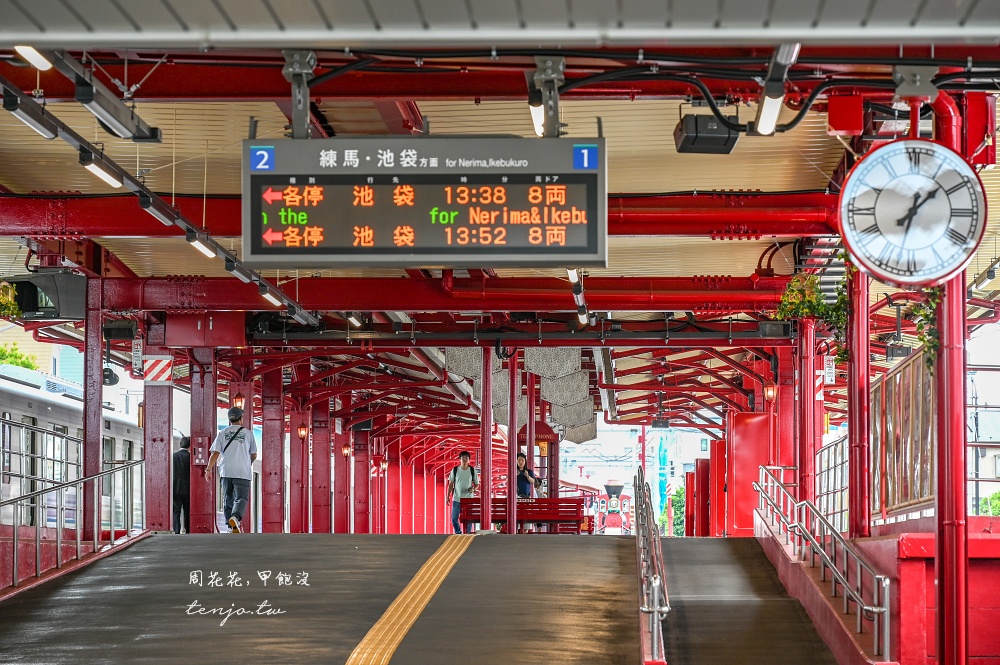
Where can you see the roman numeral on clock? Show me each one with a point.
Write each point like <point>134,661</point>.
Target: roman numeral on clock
<point>956,236</point>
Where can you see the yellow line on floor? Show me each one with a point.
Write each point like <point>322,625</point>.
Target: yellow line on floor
<point>384,638</point>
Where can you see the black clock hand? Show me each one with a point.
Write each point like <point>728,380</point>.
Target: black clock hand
<point>911,213</point>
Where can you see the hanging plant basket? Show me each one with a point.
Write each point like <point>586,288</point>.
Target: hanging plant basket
<point>8,302</point>
<point>803,299</point>
<point>925,318</point>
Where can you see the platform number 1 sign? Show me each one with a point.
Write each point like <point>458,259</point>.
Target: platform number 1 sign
<point>585,157</point>
<point>262,158</point>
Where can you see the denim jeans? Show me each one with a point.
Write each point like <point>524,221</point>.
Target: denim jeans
<point>456,507</point>
<point>236,497</point>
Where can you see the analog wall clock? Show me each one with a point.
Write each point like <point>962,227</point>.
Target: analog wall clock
<point>912,213</point>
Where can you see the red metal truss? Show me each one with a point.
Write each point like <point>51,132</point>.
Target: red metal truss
<point>717,215</point>
<point>468,295</point>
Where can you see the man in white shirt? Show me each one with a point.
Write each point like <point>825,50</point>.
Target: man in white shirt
<point>462,484</point>
<point>234,450</point>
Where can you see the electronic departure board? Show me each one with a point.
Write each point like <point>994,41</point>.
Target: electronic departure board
<point>424,202</point>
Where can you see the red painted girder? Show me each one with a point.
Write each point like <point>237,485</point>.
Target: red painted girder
<point>712,214</point>
<point>656,387</point>
<point>724,215</point>
<point>349,387</point>
<point>84,254</point>
<point>469,295</point>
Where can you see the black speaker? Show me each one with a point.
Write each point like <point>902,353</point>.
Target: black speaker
<point>704,134</point>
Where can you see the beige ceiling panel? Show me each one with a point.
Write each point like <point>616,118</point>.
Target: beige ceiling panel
<point>200,149</point>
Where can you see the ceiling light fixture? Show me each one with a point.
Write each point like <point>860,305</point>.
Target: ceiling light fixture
<point>354,320</point>
<point>268,296</point>
<point>112,112</point>
<point>37,120</point>
<point>233,268</point>
<point>34,58</point>
<point>582,315</point>
<point>537,111</point>
<point>199,242</point>
<point>773,96</point>
<point>573,274</point>
<point>157,209</point>
<point>96,165</point>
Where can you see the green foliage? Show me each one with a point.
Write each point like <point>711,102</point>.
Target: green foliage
<point>677,501</point>
<point>11,355</point>
<point>925,318</point>
<point>803,299</point>
<point>990,505</point>
<point>8,304</point>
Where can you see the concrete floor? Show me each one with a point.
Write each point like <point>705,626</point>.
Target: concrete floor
<point>524,599</point>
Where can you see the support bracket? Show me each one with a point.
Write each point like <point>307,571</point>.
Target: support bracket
<point>550,73</point>
<point>298,70</point>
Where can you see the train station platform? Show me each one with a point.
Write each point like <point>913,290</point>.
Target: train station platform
<point>336,599</point>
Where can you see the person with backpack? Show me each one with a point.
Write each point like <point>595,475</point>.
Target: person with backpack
<point>462,484</point>
<point>234,450</point>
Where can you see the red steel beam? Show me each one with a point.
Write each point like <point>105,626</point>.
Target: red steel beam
<point>469,295</point>
<point>712,215</point>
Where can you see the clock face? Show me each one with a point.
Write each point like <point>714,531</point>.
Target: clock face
<point>912,213</point>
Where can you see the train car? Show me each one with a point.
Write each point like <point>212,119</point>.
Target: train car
<point>41,445</point>
<point>613,510</point>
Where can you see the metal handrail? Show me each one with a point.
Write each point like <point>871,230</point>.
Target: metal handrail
<point>652,579</point>
<point>19,501</point>
<point>809,530</point>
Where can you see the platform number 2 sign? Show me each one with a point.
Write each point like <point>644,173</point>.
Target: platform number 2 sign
<point>262,158</point>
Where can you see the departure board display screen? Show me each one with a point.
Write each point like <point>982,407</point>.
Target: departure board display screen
<point>420,203</point>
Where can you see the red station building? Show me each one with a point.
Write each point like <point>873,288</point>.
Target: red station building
<point>737,218</point>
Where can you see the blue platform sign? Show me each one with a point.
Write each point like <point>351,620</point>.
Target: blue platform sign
<point>585,157</point>
<point>262,158</point>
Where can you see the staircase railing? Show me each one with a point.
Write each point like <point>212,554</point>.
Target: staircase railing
<point>652,582</point>
<point>813,536</point>
<point>34,500</point>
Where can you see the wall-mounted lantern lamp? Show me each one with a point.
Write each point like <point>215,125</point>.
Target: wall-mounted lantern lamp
<point>770,392</point>
<point>239,400</point>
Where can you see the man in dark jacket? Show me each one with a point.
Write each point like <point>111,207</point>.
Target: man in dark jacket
<point>182,486</point>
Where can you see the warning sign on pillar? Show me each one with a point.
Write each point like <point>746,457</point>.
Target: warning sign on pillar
<point>819,385</point>
<point>157,369</point>
<point>829,370</point>
<point>137,364</point>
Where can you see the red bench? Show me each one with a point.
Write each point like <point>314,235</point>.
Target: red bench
<point>564,514</point>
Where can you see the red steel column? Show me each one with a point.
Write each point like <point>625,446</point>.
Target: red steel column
<point>362,482</point>
<point>393,497</point>
<point>93,396</point>
<point>419,501</point>
<point>342,475</point>
<point>858,399</point>
<point>272,471</point>
<point>785,408</point>
<point>951,561</point>
<point>807,409</point>
<point>952,542</point>
<point>204,426</point>
<point>513,373</point>
<point>157,426</point>
<point>486,442</point>
<point>529,431</point>
<point>298,477</point>
<point>703,495</point>
<point>551,460</point>
<point>406,495</point>
<point>689,504</point>
<point>321,460</point>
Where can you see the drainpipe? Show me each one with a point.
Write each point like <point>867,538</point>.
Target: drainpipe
<point>951,560</point>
